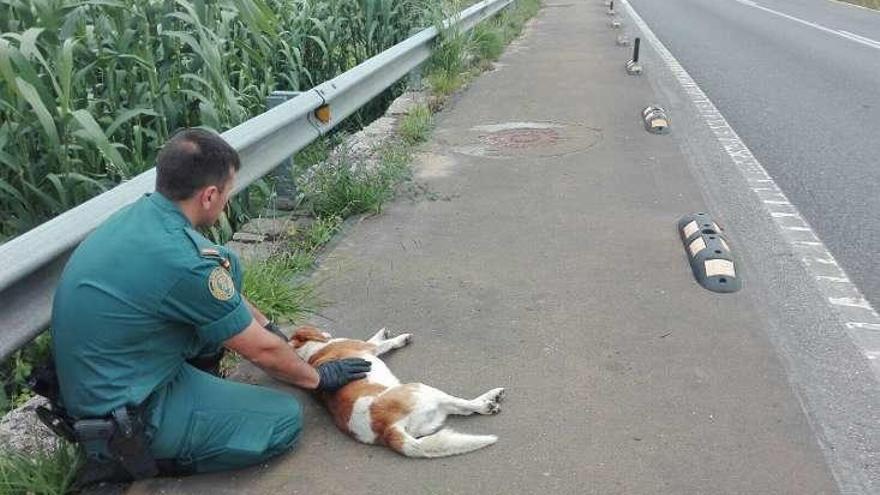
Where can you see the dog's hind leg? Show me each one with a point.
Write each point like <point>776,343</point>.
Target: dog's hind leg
<point>488,403</point>
<point>392,343</point>
<point>440,444</point>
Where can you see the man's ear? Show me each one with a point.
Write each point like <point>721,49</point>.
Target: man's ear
<point>208,196</point>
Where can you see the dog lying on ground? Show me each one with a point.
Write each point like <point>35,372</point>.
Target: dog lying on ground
<point>380,410</point>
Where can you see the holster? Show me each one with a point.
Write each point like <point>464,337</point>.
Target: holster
<point>116,447</point>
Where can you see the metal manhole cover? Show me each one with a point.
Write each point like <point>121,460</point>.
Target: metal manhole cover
<point>521,139</point>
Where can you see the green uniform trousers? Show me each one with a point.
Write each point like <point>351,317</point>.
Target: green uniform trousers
<point>209,424</point>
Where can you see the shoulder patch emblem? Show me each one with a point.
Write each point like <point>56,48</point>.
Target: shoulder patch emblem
<point>220,284</point>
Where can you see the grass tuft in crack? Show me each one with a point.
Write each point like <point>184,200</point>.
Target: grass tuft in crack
<point>270,286</point>
<point>415,127</point>
<point>342,189</point>
<point>42,473</point>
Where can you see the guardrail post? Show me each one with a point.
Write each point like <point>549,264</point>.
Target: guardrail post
<point>285,187</point>
<point>414,79</point>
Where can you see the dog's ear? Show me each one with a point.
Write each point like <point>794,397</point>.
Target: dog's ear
<point>306,333</point>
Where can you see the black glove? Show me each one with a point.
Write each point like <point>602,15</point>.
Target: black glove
<point>336,374</point>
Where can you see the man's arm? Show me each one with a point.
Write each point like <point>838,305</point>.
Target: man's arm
<point>258,315</point>
<point>264,321</point>
<point>273,355</point>
<point>277,358</point>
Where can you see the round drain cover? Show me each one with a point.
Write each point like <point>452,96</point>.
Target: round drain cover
<point>520,139</point>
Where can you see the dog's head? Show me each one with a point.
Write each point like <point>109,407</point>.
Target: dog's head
<point>307,335</point>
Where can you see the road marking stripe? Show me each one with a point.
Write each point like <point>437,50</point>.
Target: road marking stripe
<point>861,39</point>
<point>866,326</point>
<point>853,302</point>
<point>843,34</point>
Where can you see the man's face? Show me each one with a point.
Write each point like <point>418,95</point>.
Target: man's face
<point>214,199</point>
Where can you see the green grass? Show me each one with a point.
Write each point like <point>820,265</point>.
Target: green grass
<point>488,41</point>
<point>318,234</point>
<point>342,189</point>
<point>270,286</point>
<point>415,127</point>
<point>458,57</point>
<point>15,370</point>
<point>315,152</point>
<point>873,4</point>
<point>41,474</point>
<point>444,83</point>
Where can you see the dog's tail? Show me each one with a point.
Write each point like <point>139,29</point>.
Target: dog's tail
<point>444,443</point>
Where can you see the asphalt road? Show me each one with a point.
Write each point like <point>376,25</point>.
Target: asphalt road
<point>798,80</point>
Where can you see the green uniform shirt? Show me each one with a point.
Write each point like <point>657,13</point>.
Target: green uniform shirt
<point>141,295</point>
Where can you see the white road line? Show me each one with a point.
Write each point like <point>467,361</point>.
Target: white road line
<point>853,302</point>
<point>860,39</point>
<point>843,34</point>
<point>843,294</point>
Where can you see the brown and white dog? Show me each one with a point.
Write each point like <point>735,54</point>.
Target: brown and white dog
<point>379,409</point>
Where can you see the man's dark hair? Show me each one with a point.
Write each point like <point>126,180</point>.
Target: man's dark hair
<point>191,160</point>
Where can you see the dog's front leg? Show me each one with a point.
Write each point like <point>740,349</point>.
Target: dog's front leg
<point>393,343</point>
<point>380,336</point>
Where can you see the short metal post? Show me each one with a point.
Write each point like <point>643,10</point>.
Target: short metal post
<point>285,187</point>
<point>636,49</point>
<point>414,79</point>
<point>611,6</point>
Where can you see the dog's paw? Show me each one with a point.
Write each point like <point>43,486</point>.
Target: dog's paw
<point>405,338</point>
<point>384,333</point>
<point>495,395</point>
<point>492,400</point>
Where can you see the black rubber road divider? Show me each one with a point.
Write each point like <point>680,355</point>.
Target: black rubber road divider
<point>656,120</point>
<point>709,254</point>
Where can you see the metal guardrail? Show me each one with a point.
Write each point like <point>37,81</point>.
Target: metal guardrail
<point>31,264</point>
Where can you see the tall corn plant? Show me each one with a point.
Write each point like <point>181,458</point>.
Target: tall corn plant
<point>91,89</point>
